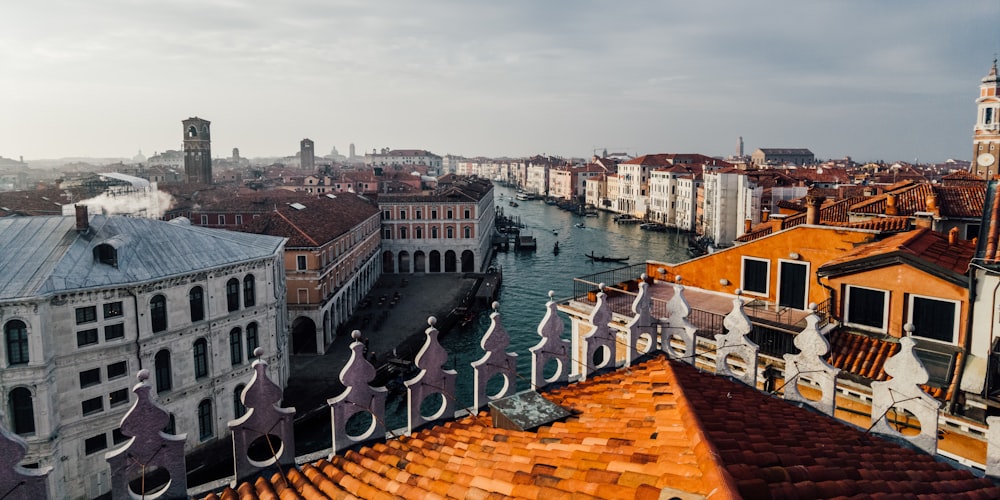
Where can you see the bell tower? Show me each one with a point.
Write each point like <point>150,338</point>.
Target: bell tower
<point>986,135</point>
<point>197,151</point>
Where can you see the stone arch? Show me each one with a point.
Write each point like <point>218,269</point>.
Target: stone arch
<point>404,262</point>
<point>468,261</point>
<point>419,262</point>
<point>435,261</point>
<point>388,262</point>
<point>303,336</point>
<point>449,261</point>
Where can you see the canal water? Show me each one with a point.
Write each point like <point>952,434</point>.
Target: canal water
<point>528,277</point>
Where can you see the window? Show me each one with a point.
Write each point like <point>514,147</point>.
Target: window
<point>866,308</point>
<point>113,310</point>
<point>233,294</point>
<point>418,233</point>
<point>402,215</point>
<point>118,437</point>
<point>468,232</point>
<point>387,234</point>
<point>386,215</point>
<point>434,232</point>
<point>196,301</point>
<point>92,405</point>
<point>450,232</point>
<point>434,214</point>
<point>252,342</point>
<point>222,220</point>
<point>449,214</point>
<point>162,367</point>
<point>755,275</point>
<point>934,319</point>
<point>90,377</point>
<point>200,358</point>
<point>119,369</point>
<point>118,397</point>
<point>300,262</point>
<point>22,411</point>
<point>95,444</point>
<point>236,346</point>
<point>467,214</point>
<point>158,313</point>
<point>971,231</point>
<point>402,233</point>
<point>86,337</point>
<point>204,220</point>
<point>113,332</point>
<point>16,335</point>
<point>239,219</point>
<point>86,314</point>
<point>239,409</point>
<point>420,214</point>
<point>106,254</point>
<point>205,430</point>
<point>249,291</point>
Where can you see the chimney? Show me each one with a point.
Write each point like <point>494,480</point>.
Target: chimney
<point>764,214</point>
<point>746,225</point>
<point>923,219</point>
<point>82,220</point>
<point>812,208</point>
<point>932,205</point>
<point>952,235</point>
<point>890,204</point>
<point>777,222</point>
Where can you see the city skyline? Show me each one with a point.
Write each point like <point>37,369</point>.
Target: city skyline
<point>887,81</point>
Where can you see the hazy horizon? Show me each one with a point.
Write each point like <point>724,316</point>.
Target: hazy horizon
<point>892,80</point>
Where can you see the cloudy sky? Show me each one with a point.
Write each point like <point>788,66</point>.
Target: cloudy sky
<point>892,80</point>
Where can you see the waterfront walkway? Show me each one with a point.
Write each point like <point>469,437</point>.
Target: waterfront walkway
<point>393,318</point>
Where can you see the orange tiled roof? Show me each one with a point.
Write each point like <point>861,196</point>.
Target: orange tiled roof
<point>655,430</point>
<point>920,244</point>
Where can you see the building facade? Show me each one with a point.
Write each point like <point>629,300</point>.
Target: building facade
<point>782,156</point>
<point>89,301</point>
<point>197,151</point>
<point>307,154</point>
<point>986,134</point>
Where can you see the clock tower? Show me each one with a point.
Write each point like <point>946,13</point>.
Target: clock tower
<point>986,136</point>
<point>197,151</point>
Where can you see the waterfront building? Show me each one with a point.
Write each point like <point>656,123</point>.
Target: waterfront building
<point>88,301</point>
<point>986,134</point>
<point>633,179</point>
<point>568,182</point>
<point>537,180</point>
<point>731,205</point>
<point>403,157</point>
<point>331,261</point>
<point>769,157</point>
<point>595,189</point>
<point>446,230</point>
<point>687,201</point>
<point>197,151</point>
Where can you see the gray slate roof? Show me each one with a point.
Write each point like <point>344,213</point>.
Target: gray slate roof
<point>46,255</point>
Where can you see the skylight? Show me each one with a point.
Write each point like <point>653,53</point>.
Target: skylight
<point>297,206</point>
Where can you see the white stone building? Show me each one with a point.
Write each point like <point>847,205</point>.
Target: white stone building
<point>87,302</point>
<point>731,199</point>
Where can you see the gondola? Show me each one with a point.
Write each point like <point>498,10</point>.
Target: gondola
<point>604,258</point>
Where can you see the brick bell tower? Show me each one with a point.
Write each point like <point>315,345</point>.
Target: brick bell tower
<point>986,135</point>
<point>197,151</point>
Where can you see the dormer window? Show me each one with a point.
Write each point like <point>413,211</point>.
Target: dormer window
<point>106,254</point>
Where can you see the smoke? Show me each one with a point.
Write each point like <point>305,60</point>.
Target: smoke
<point>150,203</point>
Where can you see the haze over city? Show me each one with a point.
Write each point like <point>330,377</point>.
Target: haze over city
<point>887,80</point>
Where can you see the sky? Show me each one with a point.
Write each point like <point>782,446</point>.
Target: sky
<point>888,80</point>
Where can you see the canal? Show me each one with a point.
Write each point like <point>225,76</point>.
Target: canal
<point>528,277</point>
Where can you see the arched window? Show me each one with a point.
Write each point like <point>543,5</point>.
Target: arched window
<point>402,233</point>
<point>252,341</point>
<point>238,408</point>
<point>158,313</point>
<point>236,346</point>
<point>233,294</point>
<point>451,232</point>
<point>434,232</point>
<point>16,334</point>
<point>205,427</point>
<point>200,358</point>
<point>468,232</point>
<point>196,299</point>
<point>161,365</point>
<point>249,291</point>
<point>22,411</point>
<point>418,233</point>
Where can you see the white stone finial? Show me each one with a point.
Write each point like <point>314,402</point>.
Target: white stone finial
<point>431,320</point>
<point>600,287</point>
<point>552,294</point>
<point>738,291</point>
<point>643,276</point>
<point>143,375</point>
<point>677,279</point>
<point>496,306</point>
<point>258,352</point>
<point>356,334</point>
<point>813,307</point>
<point>908,328</point>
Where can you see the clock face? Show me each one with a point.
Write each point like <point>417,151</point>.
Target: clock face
<point>985,159</point>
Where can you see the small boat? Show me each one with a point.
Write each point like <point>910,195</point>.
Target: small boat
<point>580,225</point>
<point>555,231</point>
<point>555,248</point>
<point>513,203</point>
<point>591,214</point>
<point>653,226</point>
<point>604,258</point>
<point>522,196</point>
<point>627,219</point>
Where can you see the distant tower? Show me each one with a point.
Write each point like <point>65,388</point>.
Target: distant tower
<point>197,151</point>
<point>236,155</point>
<point>352,151</point>
<point>986,135</point>
<point>307,157</point>
<point>739,147</point>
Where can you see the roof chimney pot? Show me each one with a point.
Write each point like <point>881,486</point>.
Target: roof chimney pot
<point>82,218</point>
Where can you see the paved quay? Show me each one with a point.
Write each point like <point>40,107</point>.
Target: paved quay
<point>390,326</point>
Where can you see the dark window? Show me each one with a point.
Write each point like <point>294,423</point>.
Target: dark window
<point>196,299</point>
<point>239,219</point>
<point>300,262</point>
<point>200,358</point>
<point>16,335</point>
<point>171,427</point>
<point>418,233</point>
<point>402,233</point>
<point>434,214</point>
<point>222,220</point>
<point>933,319</point>
<point>386,215</point>
<point>419,215</point>
<point>451,232</point>
<point>112,332</point>
<point>866,307</point>
<point>238,408</point>
<point>86,337</point>
<point>106,254</point>
<point>95,444</point>
<point>162,368</point>
<point>204,220</point>
<point>92,405</point>
<point>90,377</point>
<point>158,313</point>
<point>236,346</point>
<point>755,274</point>
<point>467,214</point>
<point>113,310</point>
<point>387,234</point>
<point>252,342</point>
<point>434,232</point>
<point>86,314</point>
<point>449,215</point>
<point>971,231</point>
<point>402,215</point>
<point>118,437</point>
<point>468,232</point>
<point>233,294</point>
<point>249,291</point>
<point>205,429</point>
<point>118,397</point>
<point>119,369</point>
<point>22,411</point>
